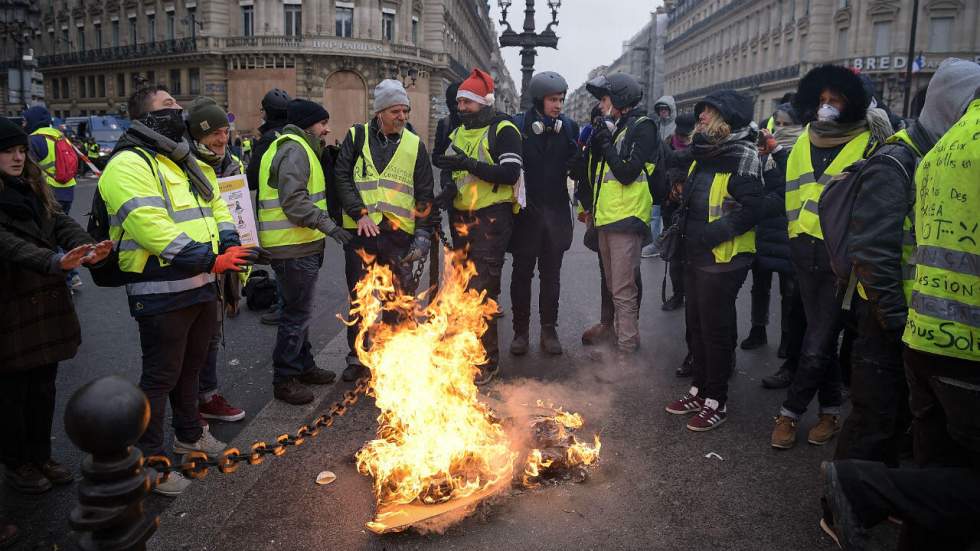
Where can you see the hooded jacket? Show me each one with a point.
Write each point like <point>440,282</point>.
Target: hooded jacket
<point>270,130</point>
<point>887,195</point>
<point>665,126</point>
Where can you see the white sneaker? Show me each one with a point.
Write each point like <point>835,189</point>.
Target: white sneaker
<point>206,443</point>
<point>174,486</point>
<point>76,282</point>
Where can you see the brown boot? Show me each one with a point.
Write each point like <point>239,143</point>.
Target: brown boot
<point>597,334</point>
<point>784,433</point>
<point>826,428</point>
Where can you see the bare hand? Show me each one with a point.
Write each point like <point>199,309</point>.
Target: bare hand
<point>73,258</point>
<point>584,217</point>
<point>98,253</point>
<point>366,226</point>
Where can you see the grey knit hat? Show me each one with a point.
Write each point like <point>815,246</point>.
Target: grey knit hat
<point>389,92</point>
<point>204,116</point>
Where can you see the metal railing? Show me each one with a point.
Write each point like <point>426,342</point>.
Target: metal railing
<point>118,53</point>
<point>758,79</point>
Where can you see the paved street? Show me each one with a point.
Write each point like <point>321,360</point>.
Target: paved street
<point>654,487</point>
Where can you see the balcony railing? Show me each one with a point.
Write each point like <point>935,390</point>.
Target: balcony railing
<point>758,79</point>
<point>119,53</point>
<point>315,44</point>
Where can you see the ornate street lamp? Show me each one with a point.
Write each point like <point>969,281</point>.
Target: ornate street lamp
<point>19,19</point>
<point>528,40</point>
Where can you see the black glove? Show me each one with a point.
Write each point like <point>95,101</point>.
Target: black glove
<point>337,233</point>
<point>445,198</point>
<point>459,161</point>
<point>262,255</point>
<point>601,136</point>
<point>419,249</point>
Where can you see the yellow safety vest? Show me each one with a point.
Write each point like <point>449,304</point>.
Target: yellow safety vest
<point>246,146</point>
<point>771,123</point>
<point>275,230</point>
<point>614,201</point>
<point>474,193</point>
<point>47,163</point>
<point>803,190</point>
<point>156,214</point>
<point>744,243</point>
<point>944,310</point>
<point>390,194</point>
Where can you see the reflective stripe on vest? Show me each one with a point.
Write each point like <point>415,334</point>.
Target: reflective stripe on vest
<point>474,193</point>
<point>47,164</point>
<point>615,201</point>
<point>944,309</point>
<point>176,286</point>
<point>390,194</point>
<point>803,189</point>
<point>275,230</point>
<point>717,196</point>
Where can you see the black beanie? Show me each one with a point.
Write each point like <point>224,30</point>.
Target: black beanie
<point>305,113</point>
<point>11,134</point>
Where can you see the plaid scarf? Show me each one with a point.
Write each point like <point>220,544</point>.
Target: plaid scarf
<point>736,153</point>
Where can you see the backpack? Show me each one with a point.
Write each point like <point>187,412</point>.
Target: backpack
<point>65,159</point>
<point>108,273</point>
<point>836,204</point>
<point>260,291</point>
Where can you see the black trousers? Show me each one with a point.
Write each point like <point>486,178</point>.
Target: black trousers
<point>761,290</point>
<point>548,261</point>
<point>794,324</point>
<point>879,420</point>
<point>711,327</point>
<point>27,401</point>
<point>387,248</point>
<point>676,272</point>
<point>487,233</point>
<point>608,310</point>
<point>175,348</point>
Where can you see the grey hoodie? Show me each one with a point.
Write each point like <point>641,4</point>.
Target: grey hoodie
<point>665,126</point>
<point>950,93</point>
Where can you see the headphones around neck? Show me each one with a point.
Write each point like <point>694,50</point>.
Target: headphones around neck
<point>539,127</point>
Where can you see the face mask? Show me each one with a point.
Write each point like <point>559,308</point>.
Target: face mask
<point>827,112</point>
<point>167,122</point>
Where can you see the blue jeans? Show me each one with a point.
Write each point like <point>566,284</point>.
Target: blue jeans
<point>655,224</point>
<point>297,280</point>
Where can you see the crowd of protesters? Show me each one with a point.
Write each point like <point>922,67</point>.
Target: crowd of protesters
<point>868,219</point>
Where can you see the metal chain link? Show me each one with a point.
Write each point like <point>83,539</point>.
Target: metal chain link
<point>420,270</point>
<point>197,464</point>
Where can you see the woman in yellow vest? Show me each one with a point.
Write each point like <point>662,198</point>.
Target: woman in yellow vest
<point>721,204</point>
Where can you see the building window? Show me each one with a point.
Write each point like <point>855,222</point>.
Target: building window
<point>345,21</point>
<point>81,39</point>
<point>55,89</point>
<point>415,30</point>
<point>51,41</point>
<point>387,26</point>
<point>115,34</point>
<point>120,85</point>
<point>171,26</point>
<point>91,86</point>
<point>135,80</point>
<point>151,28</point>
<point>194,81</point>
<point>101,86</point>
<point>292,19</point>
<point>248,20</point>
<point>64,88</point>
<point>940,32</point>
<point>81,87</point>
<point>882,34</point>
<point>98,36</point>
<point>175,81</point>
<point>842,43</point>
<point>841,4</point>
<point>65,39</point>
<point>133,31</point>
<point>151,78</point>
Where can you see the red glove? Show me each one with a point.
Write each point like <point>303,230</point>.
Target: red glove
<point>234,259</point>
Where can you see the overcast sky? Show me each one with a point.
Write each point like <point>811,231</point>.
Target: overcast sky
<point>590,33</point>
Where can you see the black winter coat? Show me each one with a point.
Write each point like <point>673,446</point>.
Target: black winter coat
<point>772,235</point>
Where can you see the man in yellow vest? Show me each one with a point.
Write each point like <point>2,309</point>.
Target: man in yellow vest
<point>479,188</point>
<point>293,223</point>
<point>832,103</point>
<point>384,180</point>
<point>173,234</point>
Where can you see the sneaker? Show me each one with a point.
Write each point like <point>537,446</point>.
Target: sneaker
<point>8,535</point>
<point>486,374</point>
<point>206,443</point>
<point>28,479</point>
<point>75,283</point>
<point>353,372</point>
<point>839,520</point>
<point>173,487</point>
<point>549,340</point>
<point>688,403</point>
<point>219,408</point>
<point>757,337</point>
<point>784,433</point>
<point>673,303</point>
<point>687,367</point>
<point>317,376</point>
<point>782,378</point>
<point>56,472</point>
<point>597,334</point>
<point>826,428</point>
<point>292,392</point>
<point>711,416</point>
<point>649,251</point>
<point>519,346</point>
<point>271,317</point>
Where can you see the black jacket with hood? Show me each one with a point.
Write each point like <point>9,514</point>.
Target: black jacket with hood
<point>270,131</point>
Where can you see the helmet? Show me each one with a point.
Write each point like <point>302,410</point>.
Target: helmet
<point>275,100</point>
<point>546,84</point>
<point>622,89</point>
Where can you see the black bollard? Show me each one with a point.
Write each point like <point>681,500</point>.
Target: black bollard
<point>105,418</point>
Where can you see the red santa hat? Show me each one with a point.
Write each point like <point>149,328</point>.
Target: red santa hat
<point>477,87</point>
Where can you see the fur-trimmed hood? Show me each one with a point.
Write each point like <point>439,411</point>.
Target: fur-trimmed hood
<point>839,79</point>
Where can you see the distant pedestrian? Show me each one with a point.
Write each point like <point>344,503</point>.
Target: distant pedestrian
<point>678,162</point>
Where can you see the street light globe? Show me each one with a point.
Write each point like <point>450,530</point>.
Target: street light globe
<point>504,4</point>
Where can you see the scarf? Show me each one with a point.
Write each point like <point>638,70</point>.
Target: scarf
<point>481,118</point>
<point>677,144</point>
<point>786,135</point>
<point>139,135</point>
<point>737,152</point>
<point>827,134</point>
<point>19,201</point>
<point>223,166</point>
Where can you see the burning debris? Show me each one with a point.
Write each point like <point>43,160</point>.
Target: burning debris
<point>439,447</point>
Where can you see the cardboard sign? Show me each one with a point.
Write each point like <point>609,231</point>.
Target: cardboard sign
<point>234,191</point>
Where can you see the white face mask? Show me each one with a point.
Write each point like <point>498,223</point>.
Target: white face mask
<point>827,112</point>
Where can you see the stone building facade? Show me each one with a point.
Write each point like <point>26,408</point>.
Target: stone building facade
<point>93,53</point>
<point>763,47</point>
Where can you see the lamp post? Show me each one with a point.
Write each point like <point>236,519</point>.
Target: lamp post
<point>528,40</point>
<point>19,19</point>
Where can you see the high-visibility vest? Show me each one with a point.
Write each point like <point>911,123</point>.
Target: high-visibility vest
<point>908,233</point>
<point>47,163</point>
<point>614,201</point>
<point>246,145</point>
<point>474,193</point>
<point>771,123</point>
<point>743,243</point>
<point>156,214</point>
<point>390,194</point>
<point>803,190</point>
<point>93,151</point>
<point>275,230</point>
<point>944,309</point>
